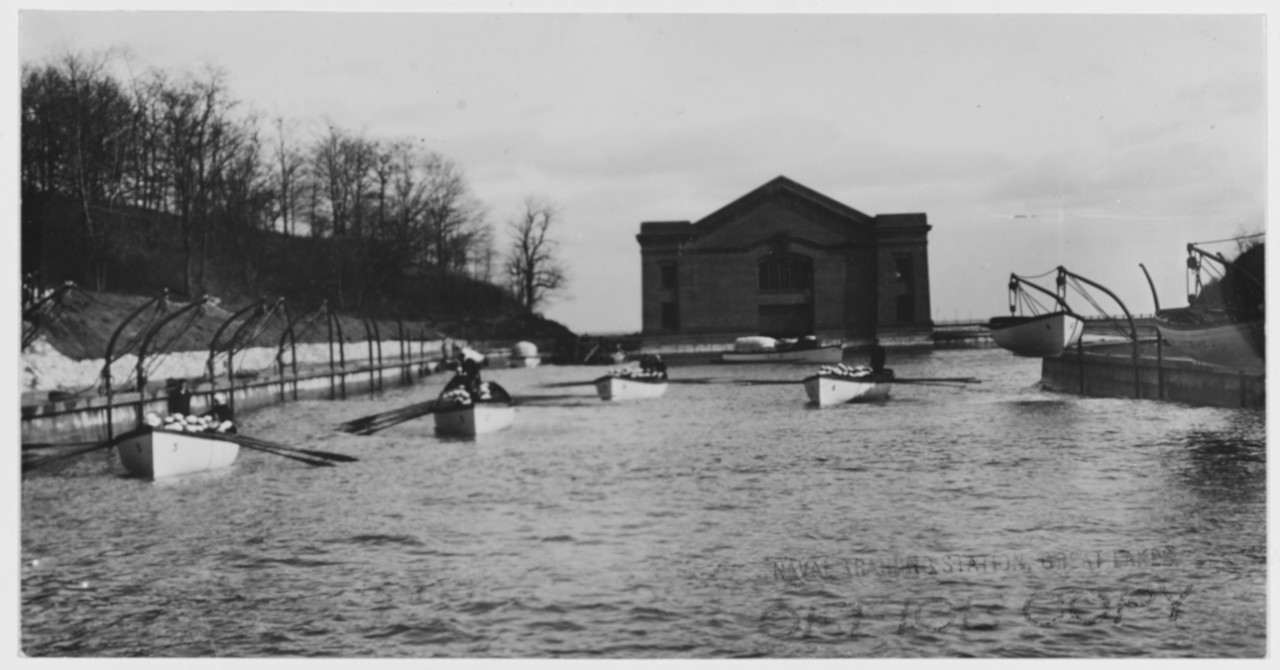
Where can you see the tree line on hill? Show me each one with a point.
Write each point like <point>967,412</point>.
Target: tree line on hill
<point>169,168</point>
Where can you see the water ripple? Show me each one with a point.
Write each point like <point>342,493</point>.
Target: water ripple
<point>722,520</point>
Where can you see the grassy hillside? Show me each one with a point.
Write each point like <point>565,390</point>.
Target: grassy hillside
<point>144,256</point>
<point>83,326</point>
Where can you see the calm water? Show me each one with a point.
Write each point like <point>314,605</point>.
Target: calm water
<point>722,520</point>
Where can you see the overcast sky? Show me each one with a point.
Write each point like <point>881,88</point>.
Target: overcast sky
<point>1031,141</point>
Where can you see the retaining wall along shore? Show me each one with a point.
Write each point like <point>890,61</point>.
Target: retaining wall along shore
<point>91,416</point>
<point>1110,371</point>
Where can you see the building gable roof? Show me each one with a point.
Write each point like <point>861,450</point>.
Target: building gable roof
<point>782,189</point>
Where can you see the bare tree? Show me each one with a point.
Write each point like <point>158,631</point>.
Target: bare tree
<point>451,215</point>
<point>289,164</point>
<point>533,266</point>
<point>200,139</point>
<point>77,123</point>
<point>175,161</point>
<point>482,253</point>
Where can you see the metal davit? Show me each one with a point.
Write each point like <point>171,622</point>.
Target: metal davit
<point>244,335</point>
<point>1021,300</point>
<point>373,340</point>
<point>216,344</point>
<point>335,324</point>
<point>158,306</point>
<point>295,326</point>
<point>150,338</point>
<point>298,328</point>
<point>42,312</point>
<point>1066,277</point>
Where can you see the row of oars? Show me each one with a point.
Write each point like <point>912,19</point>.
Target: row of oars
<point>313,457</point>
<point>768,382</point>
<point>373,423</point>
<point>697,380</point>
<point>368,425</point>
<point>896,380</point>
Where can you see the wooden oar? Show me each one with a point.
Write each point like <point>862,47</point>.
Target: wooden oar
<point>703,380</point>
<point>894,380</point>
<point>394,420</point>
<point>934,380</point>
<point>368,425</point>
<point>33,446</point>
<point>277,449</point>
<point>106,444</point>
<point>327,455</point>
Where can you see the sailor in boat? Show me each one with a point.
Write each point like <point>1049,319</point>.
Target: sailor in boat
<point>878,357</point>
<point>652,365</point>
<point>221,414</point>
<point>179,397</point>
<point>468,379</point>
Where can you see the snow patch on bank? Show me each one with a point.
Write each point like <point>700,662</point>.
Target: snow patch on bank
<point>44,368</point>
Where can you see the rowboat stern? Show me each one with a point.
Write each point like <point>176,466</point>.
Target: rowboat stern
<point>613,387</point>
<point>475,419</point>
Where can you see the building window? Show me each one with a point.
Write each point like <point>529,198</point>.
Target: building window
<point>670,280</point>
<point>670,316</point>
<point>786,272</point>
<point>904,265</point>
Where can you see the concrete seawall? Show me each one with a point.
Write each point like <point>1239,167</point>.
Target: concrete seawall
<point>87,419</point>
<point>1110,371</point>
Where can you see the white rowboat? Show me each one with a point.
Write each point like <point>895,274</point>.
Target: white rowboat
<point>831,389</point>
<point>474,419</point>
<point>1043,336</point>
<point>612,387</point>
<point>161,453</point>
<point>820,355</point>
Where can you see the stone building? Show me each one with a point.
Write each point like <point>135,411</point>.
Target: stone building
<point>787,261</point>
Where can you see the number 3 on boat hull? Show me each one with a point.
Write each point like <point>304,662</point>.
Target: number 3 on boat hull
<point>161,453</point>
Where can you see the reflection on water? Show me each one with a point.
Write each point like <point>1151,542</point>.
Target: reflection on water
<point>721,520</point>
<point>1228,466</point>
<point>1226,449</point>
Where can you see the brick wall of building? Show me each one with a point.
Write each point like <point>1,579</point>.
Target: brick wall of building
<point>868,272</point>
